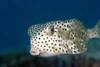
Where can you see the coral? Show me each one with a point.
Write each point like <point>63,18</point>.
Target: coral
<point>26,60</point>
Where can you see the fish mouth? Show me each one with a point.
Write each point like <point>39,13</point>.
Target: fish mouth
<point>35,51</point>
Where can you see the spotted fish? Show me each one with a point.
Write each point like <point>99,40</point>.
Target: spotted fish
<point>61,37</point>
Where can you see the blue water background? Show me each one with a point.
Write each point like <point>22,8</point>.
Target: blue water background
<point>16,16</point>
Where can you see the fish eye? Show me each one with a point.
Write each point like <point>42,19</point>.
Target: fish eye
<point>50,30</point>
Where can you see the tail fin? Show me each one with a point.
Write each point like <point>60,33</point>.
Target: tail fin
<point>98,28</point>
<point>94,32</point>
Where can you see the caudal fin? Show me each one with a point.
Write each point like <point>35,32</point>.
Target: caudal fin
<point>98,28</point>
<point>94,32</point>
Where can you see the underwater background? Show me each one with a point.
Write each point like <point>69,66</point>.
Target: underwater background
<point>16,16</point>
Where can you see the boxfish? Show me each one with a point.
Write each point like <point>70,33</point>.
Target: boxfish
<point>61,37</point>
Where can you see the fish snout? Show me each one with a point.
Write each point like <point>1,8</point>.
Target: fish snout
<point>35,51</point>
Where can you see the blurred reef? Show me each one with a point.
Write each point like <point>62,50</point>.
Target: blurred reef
<point>26,60</point>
